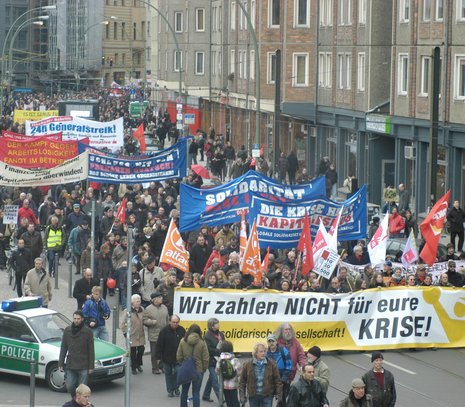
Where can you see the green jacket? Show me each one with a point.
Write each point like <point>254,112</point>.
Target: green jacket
<point>194,346</point>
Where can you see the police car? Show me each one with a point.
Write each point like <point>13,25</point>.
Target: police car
<point>29,332</point>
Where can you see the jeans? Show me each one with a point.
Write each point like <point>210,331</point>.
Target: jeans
<point>171,372</point>
<point>212,383</point>
<point>196,385</point>
<point>101,332</point>
<point>230,398</point>
<point>74,378</point>
<point>260,401</point>
<point>51,262</point>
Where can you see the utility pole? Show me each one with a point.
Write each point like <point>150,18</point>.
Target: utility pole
<point>277,111</point>
<point>434,107</point>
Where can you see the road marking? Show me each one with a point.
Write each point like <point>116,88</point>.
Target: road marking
<point>394,365</point>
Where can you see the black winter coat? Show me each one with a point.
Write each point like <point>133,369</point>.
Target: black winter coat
<point>382,397</point>
<point>167,344</point>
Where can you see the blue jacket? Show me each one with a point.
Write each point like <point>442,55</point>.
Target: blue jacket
<point>282,357</point>
<point>96,310</point>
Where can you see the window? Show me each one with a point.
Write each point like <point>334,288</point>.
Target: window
<point>362,11</point>
<point>214,19</point>
<point>115,30</point>
<point>177,61</point>
<point>134,31</point>
<point>178,22</point>
<point>424,75</point>
<point>274,13</point>
<point>361,71</point>
<point>220,17</point>
<point>242,18</point>
<point>301,13</point>
<point>15,328</point>
<point>199,63</point>
<point>426,10</point>
<point>233,16</point>
<point>123,31</point>
<point>107,31</point>
<point>199,19</point>
<point>404,11</point>
<point>460,77</point>
<point>439,10</point>
<point>252,13</point>
<point>345,12</point>
<point>300,70</point>
<point>142,30</point>
<point>402,74</point>
<point>252,64</point>
<point>271,68</point>
<point>461,10</point>
<point>243,64</point>
<point>326,13</point>
<point>344,71</point>
<point>232,62</point>
<point>213,63</point>
<point>324,69</point>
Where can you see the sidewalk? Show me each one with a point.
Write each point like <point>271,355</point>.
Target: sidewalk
<point>61,301</point>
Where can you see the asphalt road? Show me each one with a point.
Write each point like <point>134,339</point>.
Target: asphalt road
<point>423,378</point>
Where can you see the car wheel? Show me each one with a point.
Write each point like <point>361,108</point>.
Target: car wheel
<point>55,378</point>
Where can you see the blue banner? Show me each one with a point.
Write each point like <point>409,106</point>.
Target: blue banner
<point>165,164</point>
<point>279,224</point>
<point>225,203</point>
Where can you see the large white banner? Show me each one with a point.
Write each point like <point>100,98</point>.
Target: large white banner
<point>101,134</point>
<point>72,170</point>
<point>371,319</point>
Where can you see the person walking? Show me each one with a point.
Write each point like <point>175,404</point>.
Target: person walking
<point>21,263</point>
<point>229,378</point>
<point>292,166</point>
<point>82,290</point>
<point>357,396</point>
<point>260,380</point>
<point>284,362</point>
<point>33,240</point>
<point>167,346</point>
<point>213,338</point>
<point>286,337</point>
<point>307,392</point>
<point>456,217</point>
<point>77,355</point>
<point>137,338</point>
<point>155,318</point>
<point>380,383</point>
<point>322,373</point>
<point>96,311</point>
<point>192,345</point>
<point>55,238</point>
<point>38,283</point>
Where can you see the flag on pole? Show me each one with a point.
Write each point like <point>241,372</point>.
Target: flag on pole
<point>174,252</point>
<point>431,229</point>
<point>121,213</point>
<point>410,253</point>
<point>305,247</point>
<point>242,237</point>
<point>333,230</point>
<point>139,136</point>
<point>266,261</point>
<point>251,263</point>
<point>321,240</point>
<point>378,243</point>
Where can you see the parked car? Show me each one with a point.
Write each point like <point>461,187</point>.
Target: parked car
<point>30,332</point>
<point>397,244</point>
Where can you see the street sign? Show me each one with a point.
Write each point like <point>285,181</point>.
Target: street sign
<point>189,118</point>
<point>179,116</point>
<point>137,109</point>
<point>179,106</point>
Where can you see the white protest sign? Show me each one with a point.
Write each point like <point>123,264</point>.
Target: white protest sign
<point>10,214</point>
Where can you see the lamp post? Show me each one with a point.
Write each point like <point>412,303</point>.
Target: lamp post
<point>3,65</point>
<point>35,20</point>
<point>104,22</point>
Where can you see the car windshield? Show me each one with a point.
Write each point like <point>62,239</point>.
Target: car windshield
<point>49,327</point>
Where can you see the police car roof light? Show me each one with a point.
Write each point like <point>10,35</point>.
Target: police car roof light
<point>19,304</point>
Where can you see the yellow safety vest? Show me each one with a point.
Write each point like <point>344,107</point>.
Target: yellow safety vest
<point>54,238</point>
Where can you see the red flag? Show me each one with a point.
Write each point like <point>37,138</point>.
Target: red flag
<point>431,229</point>
<point>139,136</point>
<point>242,236</point>
<point>305,247</point>
<point>121,214</point>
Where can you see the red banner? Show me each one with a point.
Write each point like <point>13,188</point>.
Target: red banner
<point>19,137</point>
<point>41,152</point>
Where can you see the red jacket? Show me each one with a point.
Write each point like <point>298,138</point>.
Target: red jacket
<point>27,213</point>
<point>396,224</point>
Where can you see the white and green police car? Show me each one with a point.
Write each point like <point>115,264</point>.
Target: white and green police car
<point>29,332</point>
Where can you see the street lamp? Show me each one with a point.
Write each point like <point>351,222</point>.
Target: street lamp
<point>104,22</point>
<point>43,8</point>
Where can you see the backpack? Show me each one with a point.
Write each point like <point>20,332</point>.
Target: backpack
<point>227,369</point>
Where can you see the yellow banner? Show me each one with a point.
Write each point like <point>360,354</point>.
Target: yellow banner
<point>20,116</point>
<point>391,318</point>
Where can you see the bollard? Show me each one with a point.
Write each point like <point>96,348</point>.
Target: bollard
<point>114,325</point>
<point>70,279</point>
<point>32,384</point>
<point>56,270</point>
